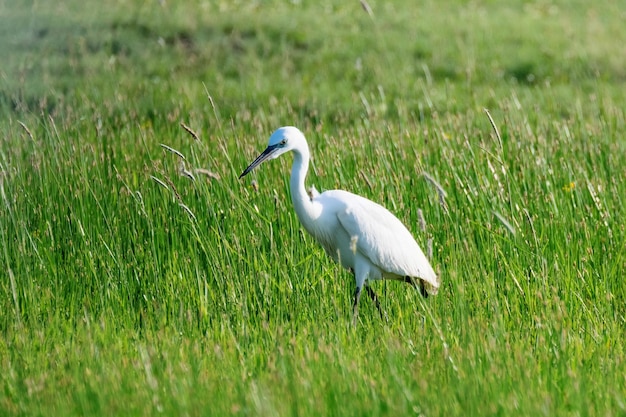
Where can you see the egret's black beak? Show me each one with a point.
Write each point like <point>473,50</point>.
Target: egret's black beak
<point>267,154</point>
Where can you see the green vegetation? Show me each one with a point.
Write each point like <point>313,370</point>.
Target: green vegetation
<point>127,288</point>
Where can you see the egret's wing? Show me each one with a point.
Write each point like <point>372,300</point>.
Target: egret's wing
<point>383,239</point>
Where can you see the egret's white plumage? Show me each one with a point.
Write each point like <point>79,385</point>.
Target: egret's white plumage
<point>361,235</point>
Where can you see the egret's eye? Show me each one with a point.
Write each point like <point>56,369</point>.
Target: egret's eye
<point>283,142</point>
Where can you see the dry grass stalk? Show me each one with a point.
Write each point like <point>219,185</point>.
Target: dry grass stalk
<point>366,179</point>
<point>172,150</point>
<point>421,220</point>
<point>208,173</point>
<point>365,5</point>
<point>440,191</point>
<point>184,172</point>
<point>30,134</point>
<point>174,190</point>
<point>190,131</point>
<point>158,181</point>
<point>188,210</point>
<point>505,222</point>
<point>495,128</point>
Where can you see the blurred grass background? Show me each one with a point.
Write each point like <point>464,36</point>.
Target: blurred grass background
<point>128,288</point>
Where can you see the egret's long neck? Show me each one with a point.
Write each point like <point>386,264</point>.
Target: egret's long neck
<point>301,201</point>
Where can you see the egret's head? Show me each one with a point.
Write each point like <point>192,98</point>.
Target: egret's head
<point>282,140</point>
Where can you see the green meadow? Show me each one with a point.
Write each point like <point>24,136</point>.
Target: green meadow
<point>139,276</point>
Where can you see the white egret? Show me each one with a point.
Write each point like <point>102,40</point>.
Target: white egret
<point>362,236</point>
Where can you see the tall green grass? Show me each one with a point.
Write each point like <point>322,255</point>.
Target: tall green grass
<point>127,287</point>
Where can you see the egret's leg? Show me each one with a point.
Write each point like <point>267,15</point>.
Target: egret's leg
<point>355,305</point>
<point>423,289</point>
<point>361,270</point>
<point>374,298</point>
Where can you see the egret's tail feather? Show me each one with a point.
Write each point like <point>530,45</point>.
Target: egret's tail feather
<point>425,287</point>
<point>430,288</point>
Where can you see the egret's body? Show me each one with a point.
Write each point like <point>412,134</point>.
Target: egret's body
<point>361,235</point>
